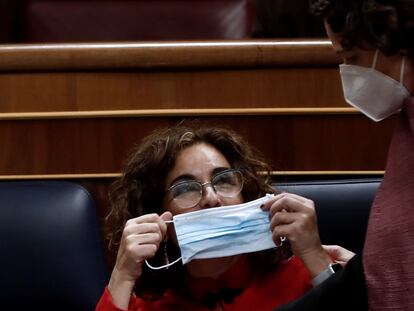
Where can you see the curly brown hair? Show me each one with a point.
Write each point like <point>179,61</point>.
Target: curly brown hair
<point>140,190</point>
<point>384,24</point>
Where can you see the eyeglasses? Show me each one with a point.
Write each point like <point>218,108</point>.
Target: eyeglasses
<point>227,184</point>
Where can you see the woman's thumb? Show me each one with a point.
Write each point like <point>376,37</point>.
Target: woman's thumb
<point>166,216</point>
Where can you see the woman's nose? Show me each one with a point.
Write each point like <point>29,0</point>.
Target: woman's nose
<point>209,197</point>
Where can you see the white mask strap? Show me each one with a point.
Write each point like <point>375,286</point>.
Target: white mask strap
<point>374,61</point>
<point>168,264</point>
<point>164,266</point>
<point>402,70</point>
<point>374,64</point>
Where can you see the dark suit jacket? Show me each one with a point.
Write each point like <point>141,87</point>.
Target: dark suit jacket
<point>343,291</point>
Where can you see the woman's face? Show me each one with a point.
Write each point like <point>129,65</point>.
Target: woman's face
<point>200,162</point>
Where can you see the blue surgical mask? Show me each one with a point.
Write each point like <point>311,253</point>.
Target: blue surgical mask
<point>223,231</point>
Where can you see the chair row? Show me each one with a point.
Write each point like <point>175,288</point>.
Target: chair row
<point>53,253</point>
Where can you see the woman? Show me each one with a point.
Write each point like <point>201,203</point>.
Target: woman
<point>193,170</point>
<point>375,40</point>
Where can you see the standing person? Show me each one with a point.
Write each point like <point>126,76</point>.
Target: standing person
<point>194,174</point>
<point>375,38</point>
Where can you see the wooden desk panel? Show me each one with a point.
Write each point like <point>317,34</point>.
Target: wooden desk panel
<point>258,88</point>
<point>290,142</point>
<point>225,74</point>
<point>77,109</point>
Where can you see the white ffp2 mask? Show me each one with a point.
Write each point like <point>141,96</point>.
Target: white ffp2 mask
<point>373,93</point>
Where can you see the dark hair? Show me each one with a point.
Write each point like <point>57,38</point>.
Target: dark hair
<point>141,190</point>
<point>384,24</point>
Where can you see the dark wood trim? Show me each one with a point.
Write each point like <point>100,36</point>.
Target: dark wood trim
<point>162,55</point>
<point>116,175</point>
<point>174,112</point>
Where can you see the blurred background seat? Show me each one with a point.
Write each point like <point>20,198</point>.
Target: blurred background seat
<point>45,21</point>
<point>125,20</point>
<point>51,251</point>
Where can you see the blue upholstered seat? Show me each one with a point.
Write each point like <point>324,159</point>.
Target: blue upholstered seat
<point>51,250</point>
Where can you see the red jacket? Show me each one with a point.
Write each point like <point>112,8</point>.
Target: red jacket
<point>283,285</point>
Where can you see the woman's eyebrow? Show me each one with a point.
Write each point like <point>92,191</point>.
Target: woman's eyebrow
<point>219,170</point>
<point>179,178</point>
<point>187,177</point>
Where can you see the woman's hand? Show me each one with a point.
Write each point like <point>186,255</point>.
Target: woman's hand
<point>338,254</point>
<point>294,217</point>
<point>140,240</point>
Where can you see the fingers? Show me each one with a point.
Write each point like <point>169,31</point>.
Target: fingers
<point>145,238</point>
<point>148,218</point>
<point>338,253</point>
<point>140,240</point>
<point>294,217</point>
<point>166,216</point>
<point>281,218</point>
<point>294,231</point>
<point>280,233</point>
<point>291,209</point>
<point>288,230</point>
<point>287,201</point>
<point>134,229</point>
<point>332,250</point>
<point>142,236</point>
<point>140,250</point>
<point>147,224</point>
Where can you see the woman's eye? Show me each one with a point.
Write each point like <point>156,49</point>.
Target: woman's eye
<point>185,188</point>
<point>225,180</point>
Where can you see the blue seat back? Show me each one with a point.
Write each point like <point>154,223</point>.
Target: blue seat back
<point>51,250</point>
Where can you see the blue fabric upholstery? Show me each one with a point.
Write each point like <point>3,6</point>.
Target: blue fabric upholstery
<point>342,207</point>
<point>51,250</point>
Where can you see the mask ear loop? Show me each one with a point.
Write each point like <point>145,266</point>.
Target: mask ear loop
<point>402,70</point>
<point>164,266</point>
<point>374,61</point>
<point>374,64</point>
<point>168,263</point>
